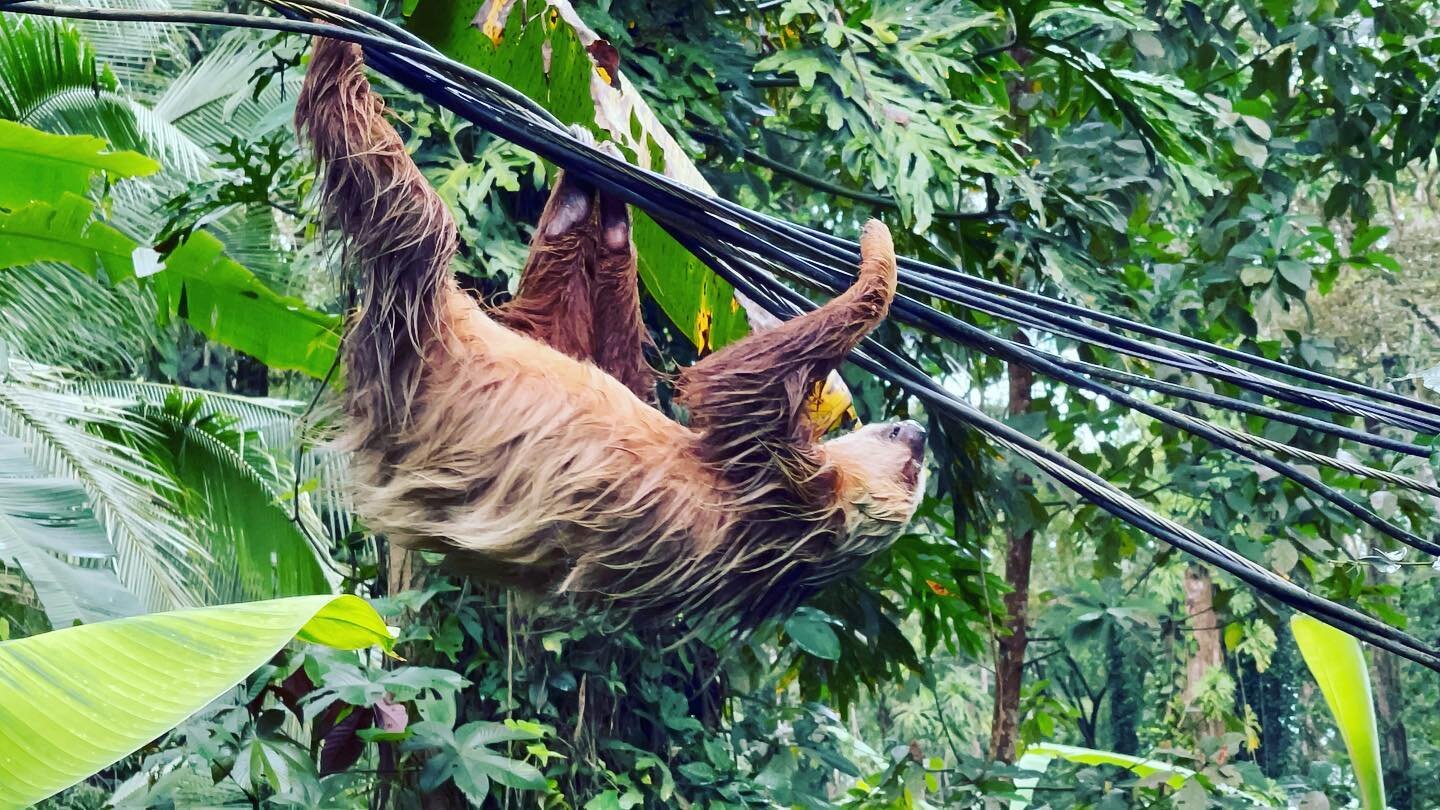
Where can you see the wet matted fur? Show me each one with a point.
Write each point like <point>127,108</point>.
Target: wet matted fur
<point>522,441</point>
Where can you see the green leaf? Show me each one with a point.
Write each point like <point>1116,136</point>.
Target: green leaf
<point>63,232</point>
<point>229,305</point>
<point>197,282</point>
<point>698,773</point>
<point>813,634</point>
<point>75,700</point>
<point>484,734</point>
<point>609,800</point>
<point>509,772</point>
<point>1338,664</point>
<point>42,166</point>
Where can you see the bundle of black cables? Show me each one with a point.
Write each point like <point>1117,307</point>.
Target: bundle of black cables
<point>752,251</point>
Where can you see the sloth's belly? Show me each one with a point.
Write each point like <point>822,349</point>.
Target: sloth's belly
<point>535,501</point>
<point>529,458</point>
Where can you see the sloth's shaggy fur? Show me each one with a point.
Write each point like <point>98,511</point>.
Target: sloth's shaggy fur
<point>522,442</point>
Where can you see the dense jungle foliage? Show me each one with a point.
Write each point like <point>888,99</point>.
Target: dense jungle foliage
<point>1255,173</point>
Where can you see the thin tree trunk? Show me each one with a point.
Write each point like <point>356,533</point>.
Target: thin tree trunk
<point>403,572</point>
<point>1394,745</point>
<point>1010,652</point>
<point>1126,693</point>
<point>1205,627</point>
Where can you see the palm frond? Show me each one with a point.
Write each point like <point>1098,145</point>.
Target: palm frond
<point>211,100</point>
<point>143,56</point>
<point>51,79</point>
<point>130,496</point>
<point>48,529</point>
<point>273,420</point>
<point>230,491</point>
<point>124,122</point>
<point>325,473</point>
<point>60,316</point>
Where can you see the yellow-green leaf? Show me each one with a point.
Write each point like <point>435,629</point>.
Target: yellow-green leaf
<point>1338,664</point>
<point>73,701</point>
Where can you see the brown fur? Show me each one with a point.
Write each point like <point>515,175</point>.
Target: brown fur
<point>522,440</point>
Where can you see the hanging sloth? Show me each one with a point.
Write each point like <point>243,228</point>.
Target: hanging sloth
<point>522,441</point>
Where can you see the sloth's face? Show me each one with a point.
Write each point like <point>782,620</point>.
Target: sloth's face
<point>882,470</point>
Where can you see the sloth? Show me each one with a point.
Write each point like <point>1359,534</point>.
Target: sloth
<point>522,440</point>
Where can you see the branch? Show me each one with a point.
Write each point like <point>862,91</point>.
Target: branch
<point>1248,63</point>
<point>985,53</point>
<point>775,81</point>
<point>882,200</point>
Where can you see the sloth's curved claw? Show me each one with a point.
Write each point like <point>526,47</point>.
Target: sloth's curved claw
<point>580,133</point>
<point>612,149</point>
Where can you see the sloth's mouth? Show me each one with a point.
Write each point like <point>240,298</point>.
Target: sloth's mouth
<point>910,473</point>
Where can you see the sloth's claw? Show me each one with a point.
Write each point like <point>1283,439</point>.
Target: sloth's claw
<point>583,135</point>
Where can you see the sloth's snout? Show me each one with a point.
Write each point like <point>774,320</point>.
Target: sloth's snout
<point>910,432</point>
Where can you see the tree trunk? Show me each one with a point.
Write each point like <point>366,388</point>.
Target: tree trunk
<point>1126,692</point>
<point>1394,746</point>
<point>1205,627</point>
<point>249,377</point>
<point>1010,652</point>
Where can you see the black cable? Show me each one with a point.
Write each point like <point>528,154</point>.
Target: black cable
<point>843,253</point>
<point>431,58</point>
<point>989,288</point>
<point>968,335</point>
<point>1119,343</point>
<point>371,42</point>
<point>1084,482</point>
<point>929,318</point>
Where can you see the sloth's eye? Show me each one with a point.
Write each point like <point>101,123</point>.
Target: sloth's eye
<point>894,432</point>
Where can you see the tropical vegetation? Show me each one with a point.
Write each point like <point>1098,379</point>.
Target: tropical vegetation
<point>1261,175</point>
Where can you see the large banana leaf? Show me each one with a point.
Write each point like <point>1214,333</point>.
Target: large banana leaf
<point>41,166</point>
<point>1338,664</point>
<point>229,305</point>
<point>196,282</point>
<point>62,231</point>
<point>74,701</point>
<point>542,56</point>
<point>55,311</point>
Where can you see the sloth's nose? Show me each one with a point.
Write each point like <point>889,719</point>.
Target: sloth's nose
<point>912,433</point>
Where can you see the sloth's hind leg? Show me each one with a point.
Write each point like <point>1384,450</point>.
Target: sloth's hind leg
<point>620,336</point>
<point>553,304</point>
